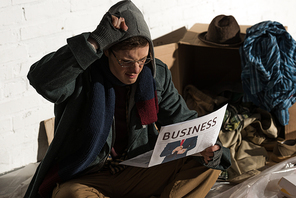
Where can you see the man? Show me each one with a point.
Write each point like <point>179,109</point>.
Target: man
<point>110,95</point>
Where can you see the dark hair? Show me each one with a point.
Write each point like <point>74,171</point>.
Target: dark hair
<point>130,43</point>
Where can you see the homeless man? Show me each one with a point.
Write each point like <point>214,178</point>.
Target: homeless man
<point>110,96</point>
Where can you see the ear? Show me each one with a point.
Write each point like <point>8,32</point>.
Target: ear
<point>106,52</point>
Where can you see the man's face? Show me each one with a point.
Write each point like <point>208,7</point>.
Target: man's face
<point>127,75</point>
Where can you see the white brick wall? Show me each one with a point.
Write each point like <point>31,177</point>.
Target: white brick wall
<point>30,29</point>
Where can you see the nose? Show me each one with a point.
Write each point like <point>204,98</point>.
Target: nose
<point>136,68</point>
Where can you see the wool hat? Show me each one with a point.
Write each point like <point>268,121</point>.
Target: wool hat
<point>223,31</point>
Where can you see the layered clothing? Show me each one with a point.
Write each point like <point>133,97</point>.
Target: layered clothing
<point>77,79</point>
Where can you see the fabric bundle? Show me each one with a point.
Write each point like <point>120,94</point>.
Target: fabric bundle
<point>268,76</point>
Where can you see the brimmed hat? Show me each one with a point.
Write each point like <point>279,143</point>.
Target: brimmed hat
<point>223,31</point>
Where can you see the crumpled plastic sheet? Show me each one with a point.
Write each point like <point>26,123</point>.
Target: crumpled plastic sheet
<point>15,183</point>
<point>263,185</point>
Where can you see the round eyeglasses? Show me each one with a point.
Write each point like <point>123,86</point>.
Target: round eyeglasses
<point>129,63</point>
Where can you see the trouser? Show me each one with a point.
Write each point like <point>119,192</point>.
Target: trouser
<point>179,178</point>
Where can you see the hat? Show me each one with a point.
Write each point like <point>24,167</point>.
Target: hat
<point>223,31</point>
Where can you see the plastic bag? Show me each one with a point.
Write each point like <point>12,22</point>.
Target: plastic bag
<point>263,185</point>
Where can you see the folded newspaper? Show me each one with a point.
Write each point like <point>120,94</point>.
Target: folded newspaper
<point>182,139</point>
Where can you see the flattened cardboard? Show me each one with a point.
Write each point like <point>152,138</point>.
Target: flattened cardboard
<point>168,54</point>
<point>172,37</point>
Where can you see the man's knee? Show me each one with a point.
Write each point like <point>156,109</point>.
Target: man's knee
<point>74,190</point>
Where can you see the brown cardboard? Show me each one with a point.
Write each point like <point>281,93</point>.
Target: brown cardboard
<point>290,128</point>
<point>166,49</point>
<point>172,37</point>
<point>45,136</point>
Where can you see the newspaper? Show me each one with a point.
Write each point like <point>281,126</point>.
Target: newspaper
<point>182,139</point>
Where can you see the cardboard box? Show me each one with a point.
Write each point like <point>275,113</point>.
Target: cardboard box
<point>290,128</point>
<point>288,185</point>
<point>193,62</point>
<point>207,67</point>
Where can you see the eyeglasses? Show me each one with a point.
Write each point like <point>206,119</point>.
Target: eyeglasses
<point>129,63</point>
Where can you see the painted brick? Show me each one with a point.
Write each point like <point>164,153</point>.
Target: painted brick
<point>16,2</point>
<point>22,154</point>
<point>13,52</point>
<point>19,139</point>
<point>14,88</point>
<point>5,160</point>
<point>11,15</point>
<point>84,22</point>
<point>5,124</point>
<point>45,28</point>
<point>78,5</point>
<point>38,47</point>
<point>21,69</point>
<point>9,140</point>
<point>33,116</point>
<point>5,3</point>
<point>9,35</point>
<point>16,105</point>
<point>55,9</point>
<point>6,71</point>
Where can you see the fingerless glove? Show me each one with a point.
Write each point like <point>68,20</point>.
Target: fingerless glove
<point>106,34</point>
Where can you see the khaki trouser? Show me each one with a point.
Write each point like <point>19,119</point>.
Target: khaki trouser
<point>180,178</point>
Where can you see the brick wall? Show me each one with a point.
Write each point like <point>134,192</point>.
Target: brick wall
<point>30,29</point>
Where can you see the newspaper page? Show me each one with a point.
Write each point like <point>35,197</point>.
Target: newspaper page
<point>182,139</point>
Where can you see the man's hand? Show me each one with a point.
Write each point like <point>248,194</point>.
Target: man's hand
<point>110,30</point>
<point>119,23</point>
<point>208,153</point>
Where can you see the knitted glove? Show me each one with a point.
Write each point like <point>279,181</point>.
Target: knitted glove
<point>105,34</point>
<point>221,159</point>
<point>217,157</point>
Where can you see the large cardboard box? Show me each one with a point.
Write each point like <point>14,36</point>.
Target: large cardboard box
<point>193,62</point>
<point>207,67</point>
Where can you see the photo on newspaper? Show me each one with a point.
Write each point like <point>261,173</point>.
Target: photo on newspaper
<point>182,139</point>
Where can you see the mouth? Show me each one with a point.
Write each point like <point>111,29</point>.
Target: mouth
<point>132,75</point>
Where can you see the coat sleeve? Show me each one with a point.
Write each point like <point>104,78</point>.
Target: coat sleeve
<point>172,107</point>
<point>54,76</point>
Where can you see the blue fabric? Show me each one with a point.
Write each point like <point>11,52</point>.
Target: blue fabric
<point>268,60</point>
